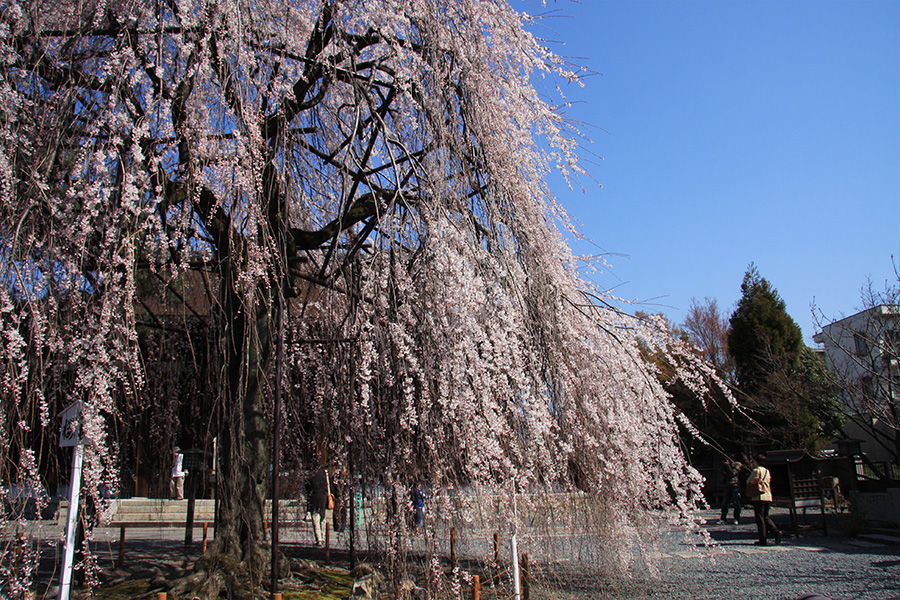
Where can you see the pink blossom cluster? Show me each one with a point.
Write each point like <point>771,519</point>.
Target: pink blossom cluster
<point>380,162</point>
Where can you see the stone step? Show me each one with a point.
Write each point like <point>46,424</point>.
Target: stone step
<point>160,507</point>
<point>149,511</point>
<point>137,511</point>
<point>885,535</point>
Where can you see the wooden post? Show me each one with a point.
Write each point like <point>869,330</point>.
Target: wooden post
<point>476,588</point>
<point>265,529</point>
<point>525,576</point>
<point>453,547</point>
<point>352,517</point>
<point>160,596</point>
<point>205,534</point>
<point>327,542</point>
<point>20,542</point>
<point>191,501</point>
<point>495,579</point>
<point>276,596</point>
<point>121,563</point>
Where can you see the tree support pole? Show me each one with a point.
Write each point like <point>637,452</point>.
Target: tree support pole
<point>65,586</point>
<point>327,542</point>
<point>526,578</point>
<point>189,517</point>
<point>282,279</point>
<point>514,548</point>
<point>276,442</point>
<point>453,548</point>
<point>121,563</point>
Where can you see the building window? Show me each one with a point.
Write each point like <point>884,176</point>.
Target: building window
<point>869,387</point>
<point>862,347</point>
<point>892,343</point>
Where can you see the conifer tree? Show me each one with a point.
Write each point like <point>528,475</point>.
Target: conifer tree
<point>784,387</point>
<point>762,337</point>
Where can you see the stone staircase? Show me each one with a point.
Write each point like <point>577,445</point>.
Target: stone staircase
<point>152,512</point>
<point>160,513</point>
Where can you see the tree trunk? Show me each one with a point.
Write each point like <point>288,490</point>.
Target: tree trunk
<point>243,469</point>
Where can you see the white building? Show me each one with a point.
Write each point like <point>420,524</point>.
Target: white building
<point>862,351</point>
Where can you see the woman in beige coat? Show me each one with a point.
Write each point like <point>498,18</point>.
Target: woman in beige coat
<point>759,491</point>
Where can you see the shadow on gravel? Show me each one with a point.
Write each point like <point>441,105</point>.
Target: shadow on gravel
<point>886,564</point>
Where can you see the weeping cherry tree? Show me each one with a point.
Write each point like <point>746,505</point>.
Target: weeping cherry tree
<point>371,169</point>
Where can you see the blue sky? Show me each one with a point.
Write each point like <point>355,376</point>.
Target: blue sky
<point>733,132</point>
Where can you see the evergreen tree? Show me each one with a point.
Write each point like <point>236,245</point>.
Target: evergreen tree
<point>782,383</point>
<point>763,338</point>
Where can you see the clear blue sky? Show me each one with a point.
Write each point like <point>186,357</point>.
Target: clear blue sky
<point>733,132</point>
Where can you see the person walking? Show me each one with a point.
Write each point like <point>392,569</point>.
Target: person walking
<point>759,491</point>
<point>318,498</point>
<point>417,499</point>
<point>176,487</point>
<point>731,494</point>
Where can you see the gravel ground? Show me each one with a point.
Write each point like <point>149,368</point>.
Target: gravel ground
<point>835,566</point>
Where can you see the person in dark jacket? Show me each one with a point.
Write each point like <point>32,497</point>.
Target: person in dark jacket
<point>317,491</point>
<point>417,499</point>
<point>731,491</point>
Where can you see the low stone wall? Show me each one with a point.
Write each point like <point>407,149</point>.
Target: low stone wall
<point>879,508</point>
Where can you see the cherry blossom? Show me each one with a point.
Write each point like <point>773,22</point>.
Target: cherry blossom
<point>372,170</point>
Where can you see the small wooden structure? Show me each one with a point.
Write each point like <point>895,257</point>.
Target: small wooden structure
<point>801,481</point>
